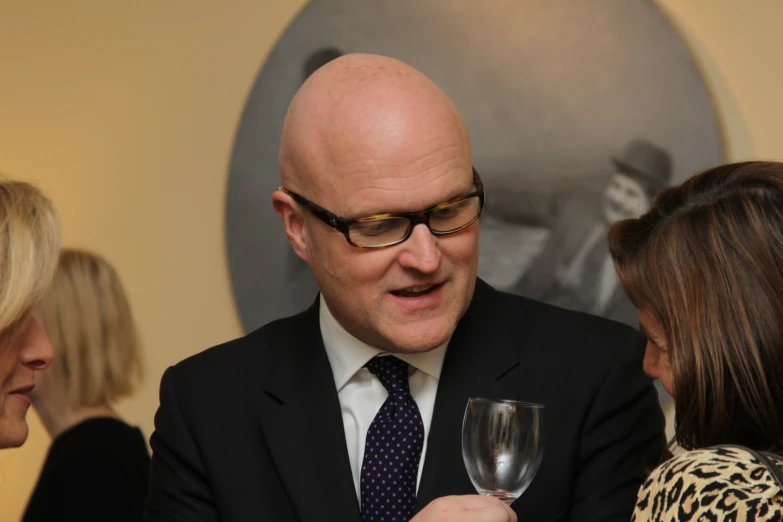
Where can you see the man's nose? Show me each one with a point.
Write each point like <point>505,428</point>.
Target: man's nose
<point>420,251</point>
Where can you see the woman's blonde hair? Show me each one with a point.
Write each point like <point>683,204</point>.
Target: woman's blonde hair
<point>29,245</point>
<point>97,357</point>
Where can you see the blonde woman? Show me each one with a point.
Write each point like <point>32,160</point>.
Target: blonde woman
<point>29,244</point>
<point>97,465</point>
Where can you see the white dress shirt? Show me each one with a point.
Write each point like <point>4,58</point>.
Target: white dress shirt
<point>361,394</point>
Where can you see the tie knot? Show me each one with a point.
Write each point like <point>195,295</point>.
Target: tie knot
<point>392,372</point>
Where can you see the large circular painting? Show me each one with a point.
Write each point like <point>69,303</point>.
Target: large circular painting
<point>578,114</point>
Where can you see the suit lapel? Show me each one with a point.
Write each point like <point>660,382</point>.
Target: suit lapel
<point>480,354</point>
<point>303,427</point>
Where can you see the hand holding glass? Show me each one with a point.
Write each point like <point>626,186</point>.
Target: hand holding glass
<point>502,446</point>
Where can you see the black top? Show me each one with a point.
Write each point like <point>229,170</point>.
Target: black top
<point>95,471</point>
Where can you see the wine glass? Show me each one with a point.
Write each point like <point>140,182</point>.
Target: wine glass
<point>502,446</point>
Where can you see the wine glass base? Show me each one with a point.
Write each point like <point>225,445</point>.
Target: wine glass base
<point>506,496</point>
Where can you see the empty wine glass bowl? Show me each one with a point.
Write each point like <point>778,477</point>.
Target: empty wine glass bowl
<point>502,445</point>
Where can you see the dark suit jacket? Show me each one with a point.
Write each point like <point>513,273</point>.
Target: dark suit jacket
<point>252,430</point>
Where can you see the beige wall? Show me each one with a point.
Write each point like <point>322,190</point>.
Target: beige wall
<point>737,46</point>
<point>124,112</point>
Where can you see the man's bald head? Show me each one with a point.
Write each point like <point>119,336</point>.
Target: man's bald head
<point>361,109</point>
<point>364,136</point>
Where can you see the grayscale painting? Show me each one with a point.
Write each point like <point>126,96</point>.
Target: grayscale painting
<point>578,113</point>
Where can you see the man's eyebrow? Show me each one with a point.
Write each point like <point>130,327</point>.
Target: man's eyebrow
<point>456,193</point>
<point>460,192</point>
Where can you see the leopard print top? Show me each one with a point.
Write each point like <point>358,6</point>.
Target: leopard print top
<point>708,485</point>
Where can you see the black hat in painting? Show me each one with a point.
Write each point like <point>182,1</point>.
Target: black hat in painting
<point>647,162</point>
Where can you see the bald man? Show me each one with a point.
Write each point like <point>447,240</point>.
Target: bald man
<point>299,420</point>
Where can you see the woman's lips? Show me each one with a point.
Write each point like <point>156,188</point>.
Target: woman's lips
<point>21,394</point>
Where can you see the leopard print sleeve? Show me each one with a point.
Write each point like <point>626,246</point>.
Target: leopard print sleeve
<point>710,485</point>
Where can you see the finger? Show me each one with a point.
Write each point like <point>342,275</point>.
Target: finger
<point>477,502</point>
<point>488,509</point>
<point>473,508</point>
<point>495,513</point>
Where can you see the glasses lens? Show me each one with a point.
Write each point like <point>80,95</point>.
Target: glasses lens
<point>378,232</point>
<point>455,216</point>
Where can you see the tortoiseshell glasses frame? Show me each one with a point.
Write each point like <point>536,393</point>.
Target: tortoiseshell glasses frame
<point>345,225</point>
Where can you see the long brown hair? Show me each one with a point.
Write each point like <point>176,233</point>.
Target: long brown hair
<point>707,262</point>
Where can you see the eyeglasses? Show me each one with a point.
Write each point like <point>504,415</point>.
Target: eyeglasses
<point>387,229</point>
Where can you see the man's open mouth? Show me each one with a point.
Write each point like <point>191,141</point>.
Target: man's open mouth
<point>416,291</point>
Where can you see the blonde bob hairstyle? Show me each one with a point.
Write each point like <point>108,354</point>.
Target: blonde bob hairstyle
<point>97,357</point>
<point>29,245</point>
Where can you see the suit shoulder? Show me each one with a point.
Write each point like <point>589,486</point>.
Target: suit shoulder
<point>554,315</point>
<point>258,346</point>
<point>568,331</point>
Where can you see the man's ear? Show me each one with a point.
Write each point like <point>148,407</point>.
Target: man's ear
<point>293,223</point>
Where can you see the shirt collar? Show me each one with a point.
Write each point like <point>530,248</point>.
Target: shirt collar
<point>347,354</point>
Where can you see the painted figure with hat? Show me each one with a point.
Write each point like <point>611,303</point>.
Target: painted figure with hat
<point>573,269</point>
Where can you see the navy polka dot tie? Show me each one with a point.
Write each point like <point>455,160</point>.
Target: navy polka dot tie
<point>393,448</point>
